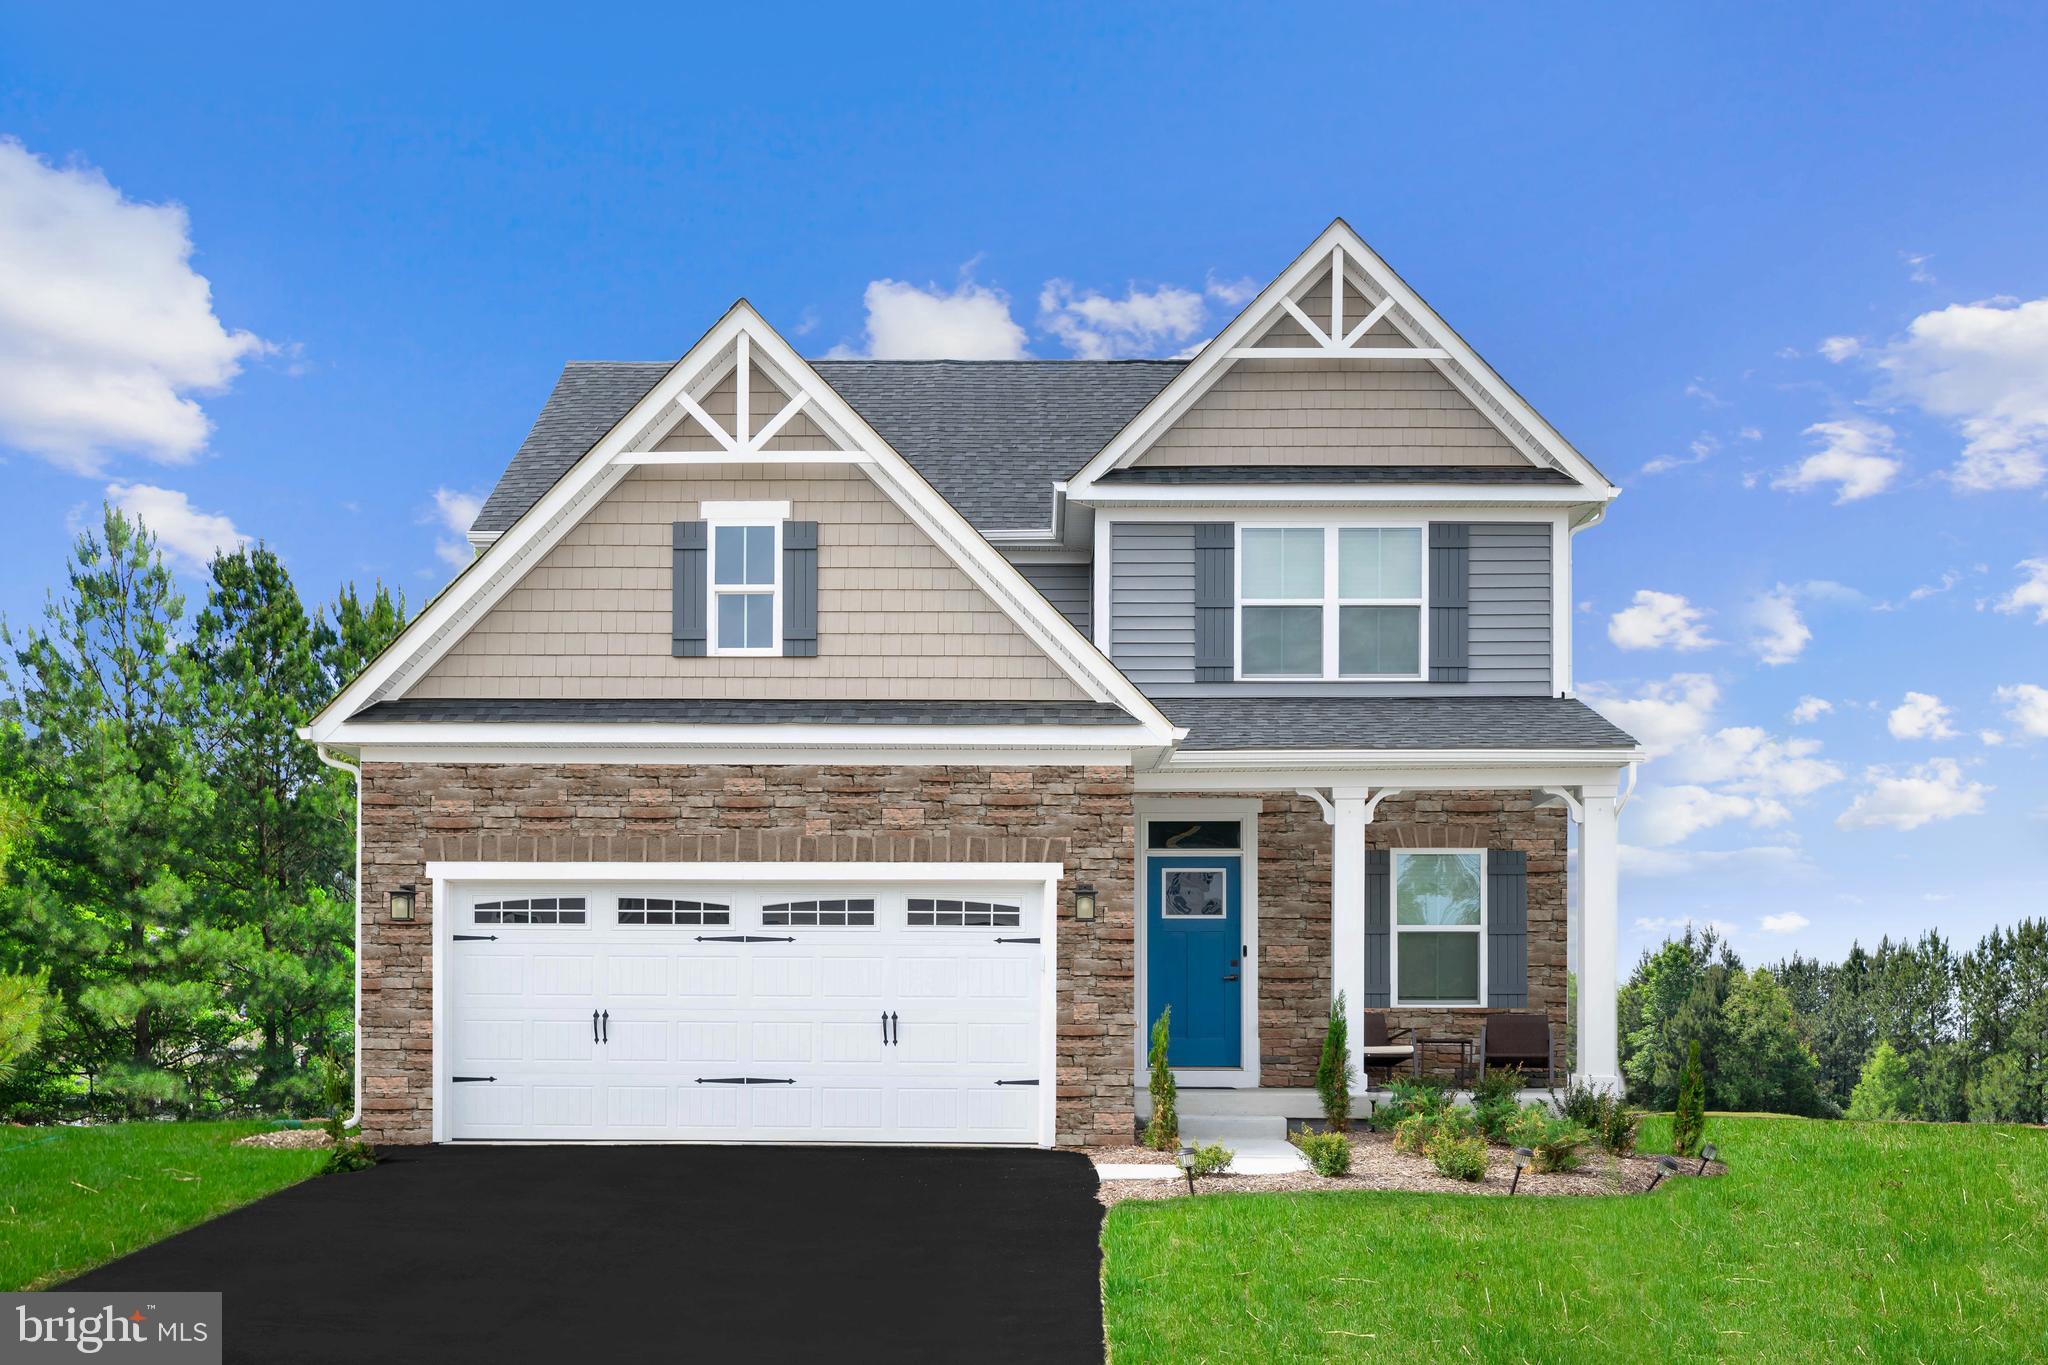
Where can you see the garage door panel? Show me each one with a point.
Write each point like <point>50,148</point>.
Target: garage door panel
<point>562,1040</point>
<point>928,1109</point>
<point>635,972</point>
<point>569,1108</point>
<point>1000,1045</point>
<point>846,1041</point>
<point>928,978</point>
<point>562,974</point>
<point>780,1042</point>
<point>636,1040</point>
<point>492,976</point>
<point>784,976</point>
<point>1001,978</point>
<point>479,1105</point>
<point>707,1111</point>
<point>792,1108</point>
<point>708,1041</point>
<point>637,1106</point>
<point>709,979</point>
<point>997,1110</point>
<point>923,1040</point>
<point>860,978</point>
<point>852,1111</point>
<point>493,1040</point>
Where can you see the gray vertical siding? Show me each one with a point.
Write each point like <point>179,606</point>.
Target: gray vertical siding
<point>1510,569</point>
<point>1070,587</point>
<point>1152,602</point>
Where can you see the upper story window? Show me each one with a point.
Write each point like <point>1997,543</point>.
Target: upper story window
<point>1330,602</point>
<point>746,586</point>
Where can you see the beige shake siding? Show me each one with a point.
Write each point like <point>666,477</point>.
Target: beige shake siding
<point>896,617</point>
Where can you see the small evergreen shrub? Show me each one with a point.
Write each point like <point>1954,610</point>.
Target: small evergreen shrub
<point>1213,1159</point>
<point>1327,1154</point>
<point>1413,1133</point>
<point>1162,1133</point>
<point>1689,1122</point>
<point>1425,1095</point>
<point>1460,1158</point>
<point>1616,1129</point>
<point>1580,1103</point>
<point>1497,1083</point>
<point>349,1152</point>
<point>1334,1070</point>
<point>1552,1139</point>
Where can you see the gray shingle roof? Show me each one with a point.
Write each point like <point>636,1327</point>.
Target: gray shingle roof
<point>743,712</point>
<point>1392,723</point>
<point>991,436</point>
<point>1295,473</point>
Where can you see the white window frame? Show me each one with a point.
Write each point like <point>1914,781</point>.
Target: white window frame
<point>1332,602</point>
<point>1398,929</point>
<point>743,516</point>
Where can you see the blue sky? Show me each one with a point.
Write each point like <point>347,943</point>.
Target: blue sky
<point>1777,271</point>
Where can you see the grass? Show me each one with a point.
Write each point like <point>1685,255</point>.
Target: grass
<point>73,1198</point>
<point>1826,1241</point>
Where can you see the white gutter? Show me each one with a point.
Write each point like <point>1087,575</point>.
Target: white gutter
<point>356,1113</point>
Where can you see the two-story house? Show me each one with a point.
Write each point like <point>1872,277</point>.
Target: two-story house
<point>871,750</point>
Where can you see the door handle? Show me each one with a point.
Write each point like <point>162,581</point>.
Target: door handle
<point>607,1026</point>
<point>895,1027</point>
<point>885,1028</point>
<point>1231,977</point>
<point>593,1028</point>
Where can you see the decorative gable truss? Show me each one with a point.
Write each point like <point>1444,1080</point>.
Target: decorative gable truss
<point>741,397</point>
<point>1341,307</point>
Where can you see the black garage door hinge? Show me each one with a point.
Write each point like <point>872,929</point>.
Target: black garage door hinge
<point>476,938</point>
<point>461,1079</point>
<point>1016,1082</point>
<point>743,938</point>
<point>746,1080</point>
<point>1016,940</point>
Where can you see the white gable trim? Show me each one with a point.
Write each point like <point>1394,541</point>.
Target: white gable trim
<point>1429,337</point>
<point>740,335</point>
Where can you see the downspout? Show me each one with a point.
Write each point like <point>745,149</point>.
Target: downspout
<point>355,1115</point>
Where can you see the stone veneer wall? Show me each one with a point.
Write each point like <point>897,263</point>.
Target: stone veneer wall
<point>1294,915</point>
<point>414,814</point>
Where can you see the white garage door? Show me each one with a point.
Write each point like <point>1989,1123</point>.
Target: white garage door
<point>744,1012</point>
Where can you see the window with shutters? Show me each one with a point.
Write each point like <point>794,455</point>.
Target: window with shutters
<point>1324,602</point>
<point>745,582</point>
<point>1439,924</point>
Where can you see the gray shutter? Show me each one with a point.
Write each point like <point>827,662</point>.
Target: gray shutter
<point>800,589</point>
<point>1450,602</point>
<point>689,587</point>
<point>1507,928</point>
<point>1215,600</point>
<point>1379,918</point>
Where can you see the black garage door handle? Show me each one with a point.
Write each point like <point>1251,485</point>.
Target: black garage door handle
<point>593,1028</point>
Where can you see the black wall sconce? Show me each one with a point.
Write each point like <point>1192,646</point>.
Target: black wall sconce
<point>1084,902</point>
<point>402,901</point>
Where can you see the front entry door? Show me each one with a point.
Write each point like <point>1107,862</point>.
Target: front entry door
<point>1194,957</point>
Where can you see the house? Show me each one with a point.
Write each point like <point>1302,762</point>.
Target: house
<point>868,751</point>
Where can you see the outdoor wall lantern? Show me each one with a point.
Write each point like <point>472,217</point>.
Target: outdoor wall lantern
<point>1665,1166</point>
<point>1707,1153</point>
<point>1523,1156</point>
<point>1186,1161</point>
<point>402,902</point>
<point>1084,902</point>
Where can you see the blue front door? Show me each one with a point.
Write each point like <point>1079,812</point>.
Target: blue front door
<point>1194,956</point>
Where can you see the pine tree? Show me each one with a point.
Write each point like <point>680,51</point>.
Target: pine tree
<point>1334,1070</point>
<point>1163,1132</point>
<point>1886,1089</point>
<point>1689,1122</point>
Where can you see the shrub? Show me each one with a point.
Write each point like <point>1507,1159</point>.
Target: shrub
<point>1414,1133</point>
<point>1326,1153</point>
<point>1213,1159</point>
<point>1552,1139</point>
<point>1689,1122</point>
<point>1334,1070</point>
<point>1426,1095</point>
<point>1497,1083</point>
<point>348,1151</point>
<point>1616,1129</point>
<point>1885,1089</point>
<point>1580,1103</point>
<point>1460,1158</point>
<point>1162,1134</point>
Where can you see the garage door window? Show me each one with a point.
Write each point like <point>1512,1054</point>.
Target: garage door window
<point>541,910</point>
<point>654,910</point>
<point>935,914</point>
<point>819,914</point>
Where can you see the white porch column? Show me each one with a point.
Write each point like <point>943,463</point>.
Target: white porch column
<point>1599,1060</point>
<point>1347,907</point>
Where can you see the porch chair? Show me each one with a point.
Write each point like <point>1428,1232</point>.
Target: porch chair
<point>1377,1048</point>
<point>1519,1039</point>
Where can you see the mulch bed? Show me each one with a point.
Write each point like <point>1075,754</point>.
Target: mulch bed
<point>287,1137</point>
<point>1375,1165</point>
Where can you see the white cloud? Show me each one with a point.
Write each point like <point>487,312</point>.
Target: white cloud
<point>1991,739</point>
<point>1746,759</point>
<point>1678,924</point>
<point>1920,716</point>
<point>1839,349</point>
<point>1856,455</point>
<point>1983,366</point>
<point>1791,922</point>
<point>1811,709</point>
<point>1778,633</point>
<point>969,322</point>
<point>1096,327</point>
<point>1664,714</point>
<point>1231,293</point>
<point>1677,862</point>
<point>1702,447</point>
<point>1916,266</point>
<point>2030,593</point>
<point>106,331</point>
<point>454,511</point>
<point>1670,815</point>
<point>2027,708</point>
<point>183,530</point>
<point>1926,792</point>
<point>1658,620</point>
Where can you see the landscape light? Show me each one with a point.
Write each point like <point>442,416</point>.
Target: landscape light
<point>402,902</point>
<point>1665,1166</point>
<point>1523,1156</point>
<point>1084,902</point>
<point>1707,1153</point>
<point>1186,1161</point>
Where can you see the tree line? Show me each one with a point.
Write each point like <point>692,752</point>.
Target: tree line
<point>176,866</point>
<point>1913,1030</point>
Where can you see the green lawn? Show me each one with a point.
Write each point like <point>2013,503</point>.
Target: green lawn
<point>1826,1241</point>
<point>72,1198</point>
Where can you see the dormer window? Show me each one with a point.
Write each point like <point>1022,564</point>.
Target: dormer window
<point>1330,602</point>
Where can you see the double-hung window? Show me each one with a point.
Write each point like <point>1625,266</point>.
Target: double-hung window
<point>1439,927</point>
<point>1321,602</point>
<point>746,588</point>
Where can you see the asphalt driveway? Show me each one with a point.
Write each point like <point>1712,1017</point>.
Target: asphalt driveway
<point>452,1254</point>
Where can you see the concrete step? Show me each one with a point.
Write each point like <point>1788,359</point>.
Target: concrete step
<point>1230,1129</point>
